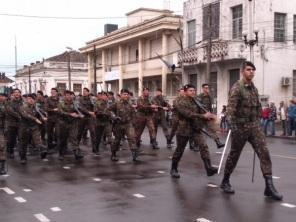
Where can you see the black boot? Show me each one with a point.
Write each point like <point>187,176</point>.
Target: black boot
<point>43,151</point>
<point>169,142</point>
<point>225,185</point>
<point>219,144</point>
<point>95,149</point>
<point>174,170</point>
<point>3,170</point>
<point>270,190</point>
<point>209,168</point>
<point>154,144</point>
<point>78,155</point>
<point>113,156</point>
<point>134,155</point>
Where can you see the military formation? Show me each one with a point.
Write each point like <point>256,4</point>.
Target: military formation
<point>60,123</point>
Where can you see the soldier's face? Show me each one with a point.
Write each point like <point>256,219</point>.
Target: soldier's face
<point>85,93</point>
<point>181,92</point>
<point>2,98</point>
<point>68,97</point>
<point>206,89</point>
<point>158,93</point>
<point>190,92</point>
<point>145,93</point>
<point>16,94</point>
<point>53,93</point>
<point>124,96</point>
<point>104,97</point>
<point>30,100</point>
<point>248,73</point>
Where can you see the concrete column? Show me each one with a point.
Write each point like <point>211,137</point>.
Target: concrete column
<point>89,76</point>
<point>103,69</point>
<point>140,67</point>
<point>164,70</point>
<point>120,63</point>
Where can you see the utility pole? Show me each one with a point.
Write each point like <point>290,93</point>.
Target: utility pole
<point>209,46</point>
<point>30,88</point>
<point>95,71</point>
<point>69,70</point>
<point>15,54</point>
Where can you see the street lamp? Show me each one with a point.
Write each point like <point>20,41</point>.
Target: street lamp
<point>251,42</point>
<point>69,50</point>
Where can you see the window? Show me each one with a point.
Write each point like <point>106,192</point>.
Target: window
<point>279,27</point>
<point>193,79</point>
<point>211,21</point>
<point>77,88</point>
<point>191,33</point>
<point>294,83</point>
<point>237,22</point>
<point>294,29</point>
<point>234,75</point>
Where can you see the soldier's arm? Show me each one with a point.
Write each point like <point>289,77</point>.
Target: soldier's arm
<point>62,111</point>
<point>26,115</point>
<point>233,101</point>
<point>100,110</point>
<point>9,110</point>
<point>184,110</point>
<point>82,107</point>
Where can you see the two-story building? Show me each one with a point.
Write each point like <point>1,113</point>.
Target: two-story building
<point>228,24</point>
<point>130,57</point>
<point>54,72</point>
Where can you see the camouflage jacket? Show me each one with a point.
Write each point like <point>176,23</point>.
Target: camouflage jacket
<point>206,100</point>
<point>103,114</point>
<point>189,115</point>
<point>124,110</point>
<point>160,101</point>
<point>12,112</point>
<point>144,106</point>
<point>243,103</point>
<point>65,109</point>
<point>2,115</point>
<point>28,115</point>
<point>86,105</point>
<point>50,104</point>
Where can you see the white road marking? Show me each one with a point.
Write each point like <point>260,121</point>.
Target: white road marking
<point>218,152</point>
<point>138,195</point>
<point>20,199</point>
<point>288,205</point>
<point>202,220</point>
<point>121,162</point>
<point>45,160</point>
<point>161,172</point>
<point>215,165</point>
<point>212,185</point>
<point>8,191</point>
<point>170,157</point>
<point>27,190</point>
<point>275,177</point>
<point>56,209</point>
<point>41,217</point>
<point>67,167</point>
<point>97,179</point>
<point>6,175</point>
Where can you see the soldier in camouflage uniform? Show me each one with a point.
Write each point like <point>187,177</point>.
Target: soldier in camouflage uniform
<point>159,117</point>
<point>40,103</point>
<point>103,124</point>
<point>243,113</point>
<point>51,108</point>
<point>210,126</point>
<point>2,137</point>
<point>12,121</point>
<point>88,122</point>
<point>191,120</point>
<point>144,118</point>
<point>124,113</point>
<point>29,128</point>
<point>68,126</point>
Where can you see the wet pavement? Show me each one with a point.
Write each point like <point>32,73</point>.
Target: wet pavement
<point>96,189</point>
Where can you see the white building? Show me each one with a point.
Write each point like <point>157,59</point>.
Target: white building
<point>274,56</point>
<point>54,72</point>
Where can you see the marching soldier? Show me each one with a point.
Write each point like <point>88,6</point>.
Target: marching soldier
<point>51,108</point>
<point>243,113</point>
<point>159,117</point>
<point>29,128</point>
<point>206,100</point>
<point>191,121</point>
<point>2,137</point>
<point>144,118</point>
<point>12,121</point>
<point>68,126</point>
<point>88,122</point>
<point>40,103</point>
<point>124,114</point>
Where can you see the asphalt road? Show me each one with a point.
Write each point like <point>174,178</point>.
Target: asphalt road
<point>96,189</point>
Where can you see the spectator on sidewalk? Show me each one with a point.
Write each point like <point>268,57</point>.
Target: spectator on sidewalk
<point>272,118</point>
<point>264,119</point>
<point>283,117</point>
<point>223,122</point>
<point>291,116</point>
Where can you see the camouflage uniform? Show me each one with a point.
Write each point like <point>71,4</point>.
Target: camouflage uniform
<point>175,119</point>
<point>12,121</point>
<point>41,104</point>
<point>67,129</point>
<point>144,118</point>
<point>244,112</point>
<point>52,117</point>
<point>29,129</point>
<point>125,112</point>
<point>159,115</point>
<point>2,137</point>
<point>103,123</point>
<point>88,122</point>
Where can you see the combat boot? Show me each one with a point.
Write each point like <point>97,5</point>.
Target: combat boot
<point>169,142</point>
<point>219,144</point>
<point>154,144</point>
<point>209,168</point>
<point>270,190</point>
<point>226,186</point>
<point>95,149</point>
<point>78,155</point>
<point>43,152</point>
<point>174,170</point>
<point>3,170</point>
<point>114,157</point>
<point>135,154</point>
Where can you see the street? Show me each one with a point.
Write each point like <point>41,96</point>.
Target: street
<point>96,189</point>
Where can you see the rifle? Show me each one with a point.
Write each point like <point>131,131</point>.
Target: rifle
<point>76,107</point>
<point>42,115</point>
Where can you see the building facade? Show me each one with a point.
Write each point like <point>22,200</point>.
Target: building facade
<point>54,72</point>
<point>230,24</point>
<point>130,57</point>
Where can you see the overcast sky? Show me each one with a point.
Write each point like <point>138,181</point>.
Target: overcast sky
<point>39,38</point>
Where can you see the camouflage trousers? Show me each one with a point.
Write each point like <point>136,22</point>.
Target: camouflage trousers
<point>27,135</point>
<point>140,123</point>
<point>51,130</point>
<point>11,133</point>
<point>2,145</point>
<point>175,123</point>
<point>211,128</point>
<point>198,139</point>
<point>120,130</point>
<point>103,130</point>
<point>255,137</point>
<point>67,132</point>
<point>87,123</point>
<point>159,119</point>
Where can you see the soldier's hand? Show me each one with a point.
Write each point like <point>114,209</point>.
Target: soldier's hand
<point>38,121</point>
<point>208,115</point>
<point>75,115</point>
<point>165,108</point>
<point>92,114</point>
<point>154,106</point>
<point>134,106</point>
<point>44,119</point>
<point>55,109</point>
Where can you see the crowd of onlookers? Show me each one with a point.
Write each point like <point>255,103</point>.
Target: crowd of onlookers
<point>285,114</point>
